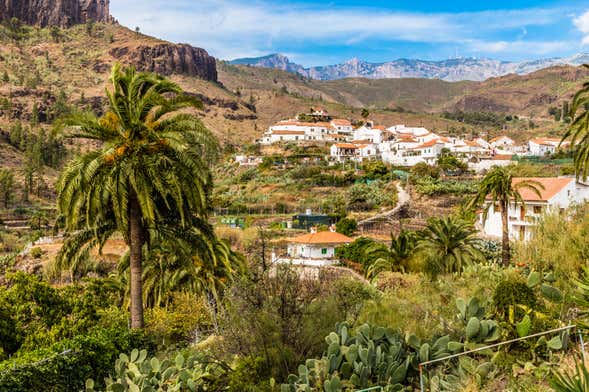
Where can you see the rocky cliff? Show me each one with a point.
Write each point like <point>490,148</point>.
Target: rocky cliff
<point>167,59</point>
<point>62,13</point>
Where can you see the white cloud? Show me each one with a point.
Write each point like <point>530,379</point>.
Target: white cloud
<point>581,22</point>
<point>230,29</point>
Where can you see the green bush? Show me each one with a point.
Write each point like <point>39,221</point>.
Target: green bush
<point>431,186</point>
<point>67,365</point>
<point>512,292</point>
<point>346,226</point>
<point>36,253</point>
<point>356,251</point>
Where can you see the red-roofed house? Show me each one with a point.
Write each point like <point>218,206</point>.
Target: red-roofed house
<point>314,249</point>
<point>558,194</point>
<point>541,146</point>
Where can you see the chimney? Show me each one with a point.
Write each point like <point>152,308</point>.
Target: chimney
<point>313,229</point>
<point>332,228</point>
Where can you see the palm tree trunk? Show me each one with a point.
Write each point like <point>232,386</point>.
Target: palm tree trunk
<point>136,239</point>
<point>505,251</point>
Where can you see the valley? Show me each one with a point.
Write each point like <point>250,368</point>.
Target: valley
<point>173,221</point>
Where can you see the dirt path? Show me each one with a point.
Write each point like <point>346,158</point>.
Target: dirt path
<point>403,200</point>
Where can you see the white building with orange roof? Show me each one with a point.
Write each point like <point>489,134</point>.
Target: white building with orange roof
<point>541,146</point>
<point>294,130</point>
<point>502,142</point>
<point>558,194</point>
<point>369,132</point>
<point>357,150</point>
<point>341,125</point>
<point>315,249</point>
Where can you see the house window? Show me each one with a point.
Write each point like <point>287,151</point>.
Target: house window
<point>537,209</point>
<point>324,251</point>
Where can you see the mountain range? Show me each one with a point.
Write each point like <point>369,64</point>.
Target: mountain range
<point>451,70</point>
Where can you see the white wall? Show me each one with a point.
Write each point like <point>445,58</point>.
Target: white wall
<point>569,195</point>
<point>311,251</point>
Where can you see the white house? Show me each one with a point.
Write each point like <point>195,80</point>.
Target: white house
<point>368,132</point>
<point>354,151</point>
<point>558,194</point>
<point>314,249</point>
<point>248,160</point>
<point>502,142</point>
<point>541,146</point>
<point>342,126</point>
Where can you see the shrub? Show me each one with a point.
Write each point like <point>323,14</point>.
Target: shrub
<point>346,226</point>
<point>422,169</point>
<point>36,252</point>
<point>180,321</point>
<point>356,251</point>
<point>512,292</point>
<point>67,365</point>
<point>431,186</point>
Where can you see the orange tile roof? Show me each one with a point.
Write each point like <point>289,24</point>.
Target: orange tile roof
<point>322,237</point>
<point>552,185</point>
<point>305,124</point>
<point>432,142</point>
<point>502,157</point>
<point>499,137</point>
<point>379,127</point>
<point>547,141</point>
<point>287,132</point>
<point>341,121</point>
<point>346,145</point>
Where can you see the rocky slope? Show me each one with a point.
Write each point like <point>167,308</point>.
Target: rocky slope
<point>62,13</point>
<point>167,59</point>
<point>448,70</point>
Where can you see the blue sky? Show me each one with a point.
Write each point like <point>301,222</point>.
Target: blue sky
<point>314,32</point>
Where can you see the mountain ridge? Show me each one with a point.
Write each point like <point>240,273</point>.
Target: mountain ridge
<point>451,70</point>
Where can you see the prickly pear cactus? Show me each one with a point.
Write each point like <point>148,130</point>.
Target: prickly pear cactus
<point>136,373</point>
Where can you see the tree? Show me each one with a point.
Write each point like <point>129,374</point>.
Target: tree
<point>365,113</point>
<point>188,264</point>
<point>449,163</point>
<point>137,30</point>
<point>55,33</point>
<point>5,77</point>
<point>346,226</point>
<point>6,186</point>
<point>395,258</point>
<point>499,187</point>
<point>150,179</point>
<point>89,27</point>
<point>448,245</point>
<point>578,131</point>
<point>35,114</point>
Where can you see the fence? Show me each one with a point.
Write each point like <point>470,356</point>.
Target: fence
<point>424,364</point>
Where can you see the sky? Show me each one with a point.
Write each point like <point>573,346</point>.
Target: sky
<point>312,32</point>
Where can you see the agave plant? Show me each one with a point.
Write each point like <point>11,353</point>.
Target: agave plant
<point>578,381</point>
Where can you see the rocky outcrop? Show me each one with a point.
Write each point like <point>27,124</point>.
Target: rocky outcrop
<point>167,59</point>
<point>62,13</point>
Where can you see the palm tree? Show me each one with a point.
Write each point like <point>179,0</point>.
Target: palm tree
<point>448,245</point>
<point>501,190</point>
<point>578,131</point>
<point>395,258</point>
<point>195,262</point>
<point>149,179</point>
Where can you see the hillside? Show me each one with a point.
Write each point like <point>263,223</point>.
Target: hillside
<point>241,101</point>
